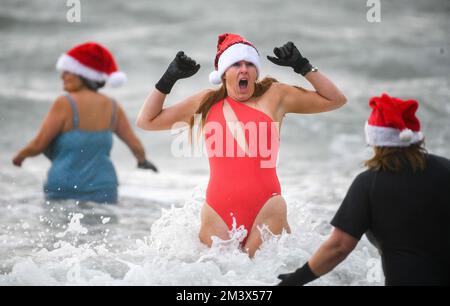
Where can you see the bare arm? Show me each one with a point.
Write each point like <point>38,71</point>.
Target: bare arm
<point>125,133</point>
<point>327,96</point>
<point>293,100</point>
<point>153,116</point>
<point>327,257</point>
<point>50,128</point>
<point>332,252</point>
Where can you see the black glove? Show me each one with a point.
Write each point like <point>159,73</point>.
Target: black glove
<point>300,277</point>
<point>181,67</point>
<point>288,55</point>
<point>147,165</point>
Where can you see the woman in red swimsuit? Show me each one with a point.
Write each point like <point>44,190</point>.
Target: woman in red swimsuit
<point>241,122</point>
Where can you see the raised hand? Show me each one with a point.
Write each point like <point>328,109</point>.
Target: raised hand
<point>181,67</point>
<point>288,55</point>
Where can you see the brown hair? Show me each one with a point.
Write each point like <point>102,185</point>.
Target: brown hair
<point>217,95</point>
<point>397,158</point>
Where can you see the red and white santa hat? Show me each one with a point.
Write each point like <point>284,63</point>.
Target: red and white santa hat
<point>232,48</point>
<point>92,61</point>
<point>393,122</point>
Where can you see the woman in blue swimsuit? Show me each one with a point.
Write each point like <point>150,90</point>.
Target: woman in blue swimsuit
<point>77,133</point>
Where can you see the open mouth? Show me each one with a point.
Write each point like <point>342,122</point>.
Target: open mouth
<point>243,83</point>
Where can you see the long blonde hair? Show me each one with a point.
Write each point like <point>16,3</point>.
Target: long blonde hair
<point>217,95</point>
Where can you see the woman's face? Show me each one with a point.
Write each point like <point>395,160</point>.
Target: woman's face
<point>71,81</point>
<point>240,79</point>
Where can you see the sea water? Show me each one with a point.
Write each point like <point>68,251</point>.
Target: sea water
<point>151,236</point>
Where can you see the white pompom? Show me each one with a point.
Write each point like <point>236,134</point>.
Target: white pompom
<point>215,78</point>
<point>406,135</point>
<point>117,79</point>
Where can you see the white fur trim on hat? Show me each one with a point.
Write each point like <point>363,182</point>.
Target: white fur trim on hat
<point>377,136</point>
<point>233,54</point>
<point>68,63</point>
<point>406,135</point>
<point>215,78</point>
<point>117,79</point>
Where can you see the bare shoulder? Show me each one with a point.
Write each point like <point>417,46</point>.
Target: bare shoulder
<point>60,100</point>
<point>192,103</point>
<point>278,90</point>
<point>273,96</point>
<point>59,112</point>
<point>206,91</point>
<point>61,104</point>
<point>198,97</point>
<point>119,110</point>
<point>102,98</point>
<point>283,89</point>
<point>277,96</point>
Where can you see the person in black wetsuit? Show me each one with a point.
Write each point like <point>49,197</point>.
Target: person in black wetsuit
<point>401,202</point>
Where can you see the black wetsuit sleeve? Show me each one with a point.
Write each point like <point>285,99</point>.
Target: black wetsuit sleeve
<point>353,216</point>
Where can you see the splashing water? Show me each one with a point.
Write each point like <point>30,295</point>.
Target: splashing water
<point>74,226</point>
<point>237,233</point>
<point>173,255</point>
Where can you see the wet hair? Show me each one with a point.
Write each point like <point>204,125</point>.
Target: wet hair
<point>397,159</point>
<point>90,84</point>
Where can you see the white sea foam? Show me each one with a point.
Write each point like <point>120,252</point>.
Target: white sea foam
<point>171,254</point>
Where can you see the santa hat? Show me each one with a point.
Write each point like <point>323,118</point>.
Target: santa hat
<point>393,122</point>
<point>232,48</point>
<point>92,61</point>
